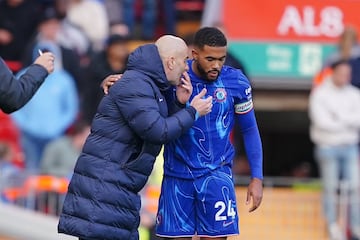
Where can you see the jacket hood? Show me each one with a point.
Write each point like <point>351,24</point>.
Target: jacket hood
<point>146,59</point>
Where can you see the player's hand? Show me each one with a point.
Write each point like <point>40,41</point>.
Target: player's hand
<point>46,60</point>
<point>254,193</point>
<point>109,81</point>
<point>202,105</point>
<point>184,89</point>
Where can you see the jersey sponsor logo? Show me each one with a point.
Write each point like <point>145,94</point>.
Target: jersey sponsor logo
<point>220,95</point>
<point>244,107</point>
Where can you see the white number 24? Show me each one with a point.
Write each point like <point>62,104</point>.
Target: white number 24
<point>220,215</point>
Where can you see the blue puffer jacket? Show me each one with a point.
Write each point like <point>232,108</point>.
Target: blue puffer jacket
<point>128,130</point>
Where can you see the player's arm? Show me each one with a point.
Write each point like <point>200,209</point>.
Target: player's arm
<point>244,111</point>
<point>253,148</point>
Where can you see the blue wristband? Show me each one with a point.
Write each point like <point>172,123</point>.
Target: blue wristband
<point>196,115</point>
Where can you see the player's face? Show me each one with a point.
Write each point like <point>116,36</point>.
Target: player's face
<point>209,61</point>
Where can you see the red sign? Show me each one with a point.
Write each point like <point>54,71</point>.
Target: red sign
<point>290,20</point>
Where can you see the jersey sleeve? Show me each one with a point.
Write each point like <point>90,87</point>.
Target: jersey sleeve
<point>244,112</point>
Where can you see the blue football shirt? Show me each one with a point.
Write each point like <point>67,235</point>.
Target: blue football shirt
<point>207,146</point>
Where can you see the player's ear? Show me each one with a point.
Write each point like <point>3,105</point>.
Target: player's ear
<point>194,54</point>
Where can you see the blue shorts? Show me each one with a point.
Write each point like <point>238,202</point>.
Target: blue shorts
<point>205,206</point>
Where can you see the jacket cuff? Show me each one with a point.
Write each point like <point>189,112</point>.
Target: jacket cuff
<point>179,104</point>
<point>192,111</point>
<point>37,70</point>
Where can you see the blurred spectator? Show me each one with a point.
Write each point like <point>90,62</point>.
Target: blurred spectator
<point>8,170</point>
<point>10,134</point>
<point>49,36</point>
<point>347,48</point>
<point>148,9</point>
<point>92,18</point>
<point>301,170</point>
<point>112,60</point>
<point>60,155</point>
<point>75,46</point>
<point>48,32</point>
<point>335,125</point>
<point>49,113</point>
<point>212,13</point>
<point>71,36</point>
<point>15,93</point>
<point>120,29</point>
<point>168,16</point>
<point>18,21</point>
<point>114,9</point>
<point>6,166</point>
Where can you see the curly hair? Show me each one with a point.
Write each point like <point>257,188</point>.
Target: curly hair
<point>209,36</point>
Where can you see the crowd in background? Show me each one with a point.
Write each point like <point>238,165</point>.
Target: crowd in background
<point>334,129</point>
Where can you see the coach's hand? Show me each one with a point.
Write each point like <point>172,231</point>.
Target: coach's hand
<point>255,192</point>
<point>184,89</point>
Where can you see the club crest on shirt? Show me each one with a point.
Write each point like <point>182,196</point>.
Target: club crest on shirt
<point>220,95</point>
<point>244,107</point>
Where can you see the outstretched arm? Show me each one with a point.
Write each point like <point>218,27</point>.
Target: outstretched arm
<point>15,93</point>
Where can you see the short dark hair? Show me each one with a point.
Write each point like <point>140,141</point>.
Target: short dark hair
<point>115,39</point>
<point>339,62</point>
<point>209,36</point>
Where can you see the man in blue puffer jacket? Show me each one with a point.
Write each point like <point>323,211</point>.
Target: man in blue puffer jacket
<point>130,126</point>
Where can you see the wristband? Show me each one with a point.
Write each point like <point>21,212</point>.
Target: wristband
<point>197,115</point>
